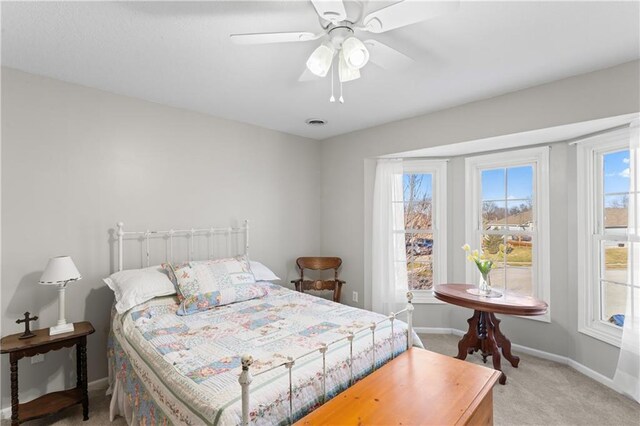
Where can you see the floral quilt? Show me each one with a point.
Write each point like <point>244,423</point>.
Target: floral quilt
<point>187,367</point>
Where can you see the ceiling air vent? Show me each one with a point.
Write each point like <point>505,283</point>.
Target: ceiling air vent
<point>315,122</point>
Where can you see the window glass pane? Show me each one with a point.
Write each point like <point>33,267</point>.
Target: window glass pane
<point>491,250</point>
<point>615,261</point>
<point>519,254</point>
<point>493,215</point>
<point>615,212</point>
<point>418,215</point>
<point>420,275</point>
<point>419,247</point>
<point>519,280</point>
<point>616,172</point>
<point>614,302</point>
<point>520,215</point>
<point>493,185</point>
<point>491,246</point>
<point>417,187</point>
<point>520,182</point>
<point>519,250</point>
<point>420,261</point>
<point>498,276</point>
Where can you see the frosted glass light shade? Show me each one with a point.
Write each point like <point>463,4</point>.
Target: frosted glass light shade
<point>355,53</point>
<point>320,60</point>
<point>60,270</point>
<point>345,72</point>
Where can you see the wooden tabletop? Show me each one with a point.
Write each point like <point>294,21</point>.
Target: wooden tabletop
<point>509,303</point>
<point>12,342</point>
<point>418,387</point>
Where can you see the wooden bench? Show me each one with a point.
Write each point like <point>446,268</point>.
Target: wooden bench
<point>419,387</point>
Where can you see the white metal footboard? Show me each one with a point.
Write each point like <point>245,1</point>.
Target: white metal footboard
<point>246,377</point>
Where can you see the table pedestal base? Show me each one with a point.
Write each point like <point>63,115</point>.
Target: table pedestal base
<point>484,335</point>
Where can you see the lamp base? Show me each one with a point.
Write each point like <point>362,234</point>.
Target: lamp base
<point>60,329</point>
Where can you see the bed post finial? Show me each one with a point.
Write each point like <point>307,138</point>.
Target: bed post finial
<point>410,309</point>
<point>246,237</point>
<point>120,233</point>
<point>245,380</point>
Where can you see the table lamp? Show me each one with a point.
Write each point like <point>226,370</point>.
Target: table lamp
<point>59,271</point>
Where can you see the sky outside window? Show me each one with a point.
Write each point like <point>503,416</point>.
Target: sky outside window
<point>616,172</point>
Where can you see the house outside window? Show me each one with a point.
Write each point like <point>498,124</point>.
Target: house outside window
<point>507,204</point>
<point>423,209</point>
<point>605,254</point>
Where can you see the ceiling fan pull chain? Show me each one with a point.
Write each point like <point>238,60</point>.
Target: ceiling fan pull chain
<point>332,98</point>
<point>341,99</point>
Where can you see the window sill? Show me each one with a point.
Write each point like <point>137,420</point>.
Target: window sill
<point>600,332</point>
<point>425,298</point>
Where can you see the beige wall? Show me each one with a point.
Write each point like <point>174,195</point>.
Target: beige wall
<point>348,167</point>
<point>77,160</point>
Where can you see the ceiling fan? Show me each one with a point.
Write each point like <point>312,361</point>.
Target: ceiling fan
<point>338,34</point>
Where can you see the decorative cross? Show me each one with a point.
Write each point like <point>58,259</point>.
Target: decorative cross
<point>27,331</point>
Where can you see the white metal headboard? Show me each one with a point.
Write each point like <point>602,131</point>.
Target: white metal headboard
<point>209,233</point>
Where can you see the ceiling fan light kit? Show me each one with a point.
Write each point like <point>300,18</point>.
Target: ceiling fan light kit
<point>346,72</point>
<point>338,29</point>
<point>320,60</point>
<point>355,53</point>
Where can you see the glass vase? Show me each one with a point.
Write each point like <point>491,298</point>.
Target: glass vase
<point>483,288</point>
<point>484,284</point>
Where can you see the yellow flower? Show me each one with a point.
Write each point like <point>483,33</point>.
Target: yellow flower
<point>466,247</point>
<point>476,253</point>
<point>470,258</point>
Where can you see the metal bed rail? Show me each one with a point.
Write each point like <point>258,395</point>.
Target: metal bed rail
<point>246,376</point>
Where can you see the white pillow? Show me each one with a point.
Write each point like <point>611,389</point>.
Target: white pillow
<point>136,286</point>
<point>261,272</point>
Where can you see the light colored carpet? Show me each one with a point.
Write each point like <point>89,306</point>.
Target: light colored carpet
<point>541,392</point>
<point>538,392</point>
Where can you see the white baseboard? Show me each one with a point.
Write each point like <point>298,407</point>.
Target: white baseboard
<point>432,330</point>
<point>534,352</point>
<point>99,384</point>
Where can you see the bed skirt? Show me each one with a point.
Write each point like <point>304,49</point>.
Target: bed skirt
<point>129,396</point>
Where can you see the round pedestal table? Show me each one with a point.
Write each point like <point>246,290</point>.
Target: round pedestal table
<point>484,333</point>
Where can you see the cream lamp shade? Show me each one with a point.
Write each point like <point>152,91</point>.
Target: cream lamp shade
<point>59,271</point>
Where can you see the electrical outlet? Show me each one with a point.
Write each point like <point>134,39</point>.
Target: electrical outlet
<point>37,358</point>
<point>355,296</point>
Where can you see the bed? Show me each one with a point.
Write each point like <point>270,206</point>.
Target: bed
<point>269,360</point>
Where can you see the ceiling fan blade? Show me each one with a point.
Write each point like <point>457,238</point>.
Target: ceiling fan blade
<point>308,76</point>
<point>331,10</point>
<point>266,38</point>
<point>405,13</point>
<point>387,57</point>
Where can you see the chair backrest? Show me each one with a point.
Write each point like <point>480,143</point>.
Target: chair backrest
<point>319,263</point>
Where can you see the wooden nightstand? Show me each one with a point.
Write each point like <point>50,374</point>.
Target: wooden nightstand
<point>42,343</point>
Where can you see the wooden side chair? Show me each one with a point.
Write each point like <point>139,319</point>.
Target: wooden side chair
<point>319,264</point>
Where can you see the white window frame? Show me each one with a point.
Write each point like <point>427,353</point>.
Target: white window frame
<point>438,171</point>
<point>590,194</point>
<point>539,159</point>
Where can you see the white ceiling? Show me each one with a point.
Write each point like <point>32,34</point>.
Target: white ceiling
<point>179,54</point>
